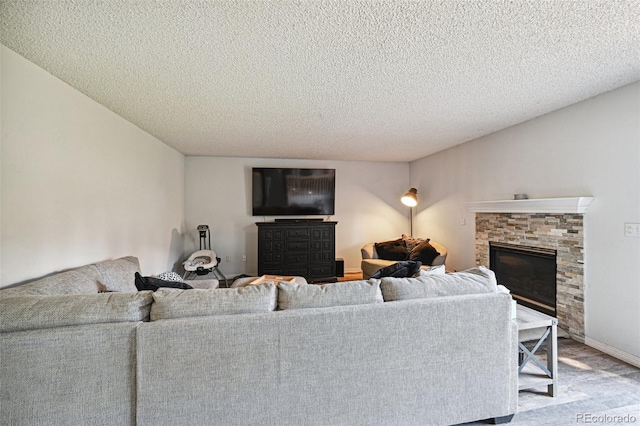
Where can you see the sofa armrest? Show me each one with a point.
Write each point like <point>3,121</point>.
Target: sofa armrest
<point>369,251</point>
<point>443,254</point>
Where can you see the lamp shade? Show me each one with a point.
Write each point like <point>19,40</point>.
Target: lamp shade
<point>410,198</point>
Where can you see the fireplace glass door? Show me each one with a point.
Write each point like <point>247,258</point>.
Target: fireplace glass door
<point>528,272</point>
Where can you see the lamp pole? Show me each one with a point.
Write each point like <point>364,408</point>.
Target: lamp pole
<point>410,199</point>
<point>411,219</point>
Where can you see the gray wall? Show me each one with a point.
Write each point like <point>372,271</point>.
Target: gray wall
<point>588,149</point>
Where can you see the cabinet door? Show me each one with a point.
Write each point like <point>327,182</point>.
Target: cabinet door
<point>322,250</point>
<point>271,250</point>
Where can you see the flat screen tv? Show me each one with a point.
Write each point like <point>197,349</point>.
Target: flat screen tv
<point>291,192</point>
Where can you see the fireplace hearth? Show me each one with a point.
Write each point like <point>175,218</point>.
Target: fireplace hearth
<point>528,272</point>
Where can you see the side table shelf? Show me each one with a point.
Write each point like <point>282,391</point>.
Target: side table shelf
<point>541,328</point>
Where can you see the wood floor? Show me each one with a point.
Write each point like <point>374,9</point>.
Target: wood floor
<point>351,276</point>
<point>591,384</point>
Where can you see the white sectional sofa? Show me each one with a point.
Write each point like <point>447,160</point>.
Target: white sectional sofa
<point>398,351</point>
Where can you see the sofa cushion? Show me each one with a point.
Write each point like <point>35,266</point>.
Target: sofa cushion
<point>151,283</point>
<point>392,250</point>
<point>403,269</point>
<point>118,274</point>
<point>300,296</point>
<point>30,312</point>
<point>424,252</point>
<point>69,282</point>
<point>175,303</point>
<point>472,281</point>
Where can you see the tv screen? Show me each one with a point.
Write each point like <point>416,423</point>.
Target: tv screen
<point>284,192</point>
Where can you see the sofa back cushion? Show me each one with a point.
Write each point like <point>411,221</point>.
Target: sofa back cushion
<point>80,281</point>
<point>472,281</point>
<point>118,274</point>
<point>31,312</point>
<point>297,296</point>
<point>175,303</point>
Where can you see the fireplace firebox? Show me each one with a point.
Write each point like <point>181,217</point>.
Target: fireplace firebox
<point>528,272</point>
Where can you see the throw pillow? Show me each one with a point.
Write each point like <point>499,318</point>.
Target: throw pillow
<point>392,250</point>
<point>169,276</point>
<point>410,242</point>
<point>424,252</point>
<point>407,268</point>
<point>151,283</point>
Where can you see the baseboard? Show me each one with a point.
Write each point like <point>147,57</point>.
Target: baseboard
<point>614,352</point>
<point>353,271</point>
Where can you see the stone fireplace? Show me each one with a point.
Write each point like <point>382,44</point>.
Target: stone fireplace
<point>552,225</point>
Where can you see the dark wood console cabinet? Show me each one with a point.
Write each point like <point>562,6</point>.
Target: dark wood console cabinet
<point>301,248</point>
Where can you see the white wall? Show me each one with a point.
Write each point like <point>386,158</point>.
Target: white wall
<point>80,184</point>
<point>218,194</point>
<point>588,149</point>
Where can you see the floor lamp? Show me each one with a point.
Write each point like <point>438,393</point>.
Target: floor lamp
<point>410,199</point>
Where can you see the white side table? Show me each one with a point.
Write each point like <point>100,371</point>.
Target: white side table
<point>534,325</point>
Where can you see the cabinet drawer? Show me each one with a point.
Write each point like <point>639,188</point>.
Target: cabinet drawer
<point>322,270</point>
<point>295,271</point>
<point>297,246</point>
<point>293,258</point>
<point>301,233</point>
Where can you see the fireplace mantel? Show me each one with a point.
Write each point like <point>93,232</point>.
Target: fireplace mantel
<point>577,205</point>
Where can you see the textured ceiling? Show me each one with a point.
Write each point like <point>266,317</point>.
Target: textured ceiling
<point>336,80</point>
